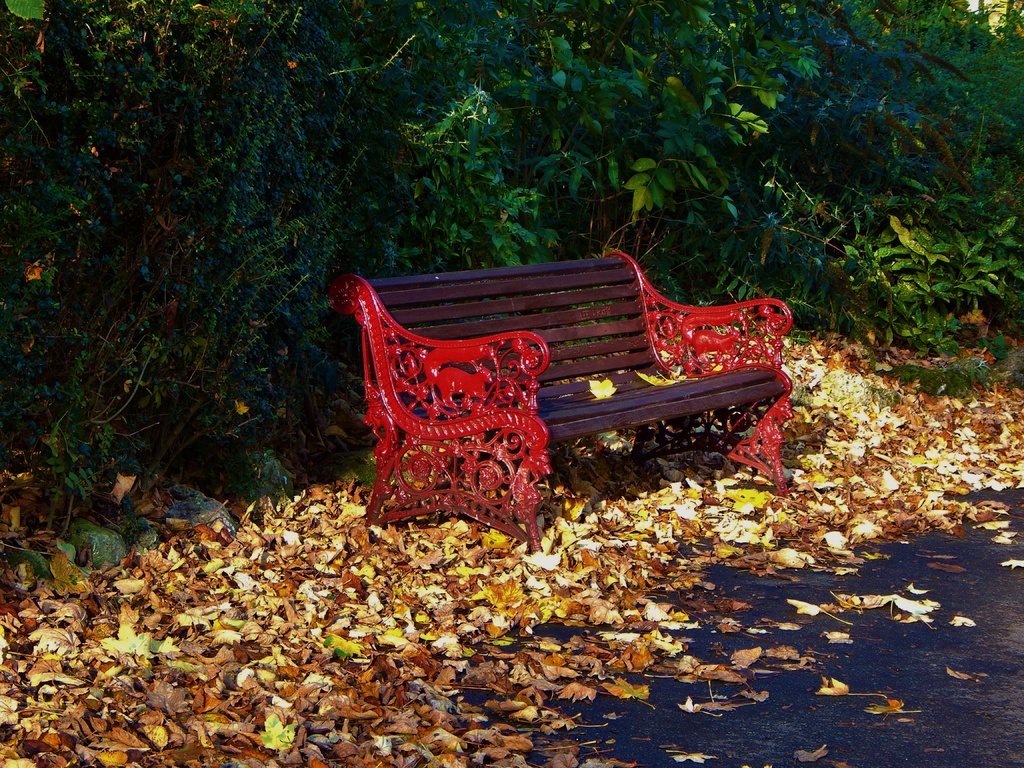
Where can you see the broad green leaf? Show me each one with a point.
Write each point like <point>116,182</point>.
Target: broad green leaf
<point>643,164</point>
<point>26,9</point>
<point>682,93</point>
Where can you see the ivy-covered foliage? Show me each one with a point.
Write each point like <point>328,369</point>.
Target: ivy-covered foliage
<point>179,181</point>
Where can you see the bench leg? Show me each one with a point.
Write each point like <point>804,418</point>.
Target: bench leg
<point>762,449</point>
<point>491,478</point>
<point>750,435</point>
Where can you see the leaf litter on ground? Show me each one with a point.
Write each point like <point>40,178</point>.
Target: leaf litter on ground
<point>315,639</point>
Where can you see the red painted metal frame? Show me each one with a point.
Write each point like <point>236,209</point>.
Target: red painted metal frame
<point>457,421</point>
<point>702,341</point>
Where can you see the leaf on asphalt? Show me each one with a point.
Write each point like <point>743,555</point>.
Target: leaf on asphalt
<point>804,756</point>
<point>891,707</point>
<point>691,757</point>
<point>832,687</point>
<point>837,637</point>
<point>621,688</point>
<point>809,609</point>
<point>962,621</point>
<point>1012,563</point>
<point>960,675</point>
<point>744,658</point>
<point>577,692</point>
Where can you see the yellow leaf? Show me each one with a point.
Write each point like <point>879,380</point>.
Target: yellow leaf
<point>67,577</point>
<point>128,643</point>
<point>343,647</point>
<point>1013,563</point>
<point>33,272</point>
<point>157,735</point>
<point>623,689</point>
<point>891,707</point>
<point>807,608</point>
<point>832,687</point>
<point>111,758</point>
<point>602,389</point>
<point>962,621</point>
<point>241,408</point>
<point>277,735</point>
<point>654,381</point>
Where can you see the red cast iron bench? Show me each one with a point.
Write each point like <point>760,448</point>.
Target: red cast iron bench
<point>470,375</point>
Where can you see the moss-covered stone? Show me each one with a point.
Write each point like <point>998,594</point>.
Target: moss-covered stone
<point>36,562</point>
<point>357,466</point>
<point>956,378</point>
<point>104,546</point>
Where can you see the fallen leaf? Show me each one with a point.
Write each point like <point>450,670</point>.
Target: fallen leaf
<point>804,756</point>
<point>891,707</point>
<point>1013,563</point>
<point>577,692</point>
<point>654,381</point>
<point>602,389</point>
<point>959,675</point>
<point>277,735</point>
<point>810,609</point>
<point>623,689</point>
<point>832,687</point>
<point>962,621</point>
<point>692,757</point>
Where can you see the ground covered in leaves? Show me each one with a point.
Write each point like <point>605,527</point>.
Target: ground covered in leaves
<point>311,639</point>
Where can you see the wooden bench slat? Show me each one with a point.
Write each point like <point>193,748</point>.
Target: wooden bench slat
<point>518,304</point>
<point>595,367</point>
<point>605,348</point>
<point>383,284</point>
<point>534,285</point>
<point>538,322</point>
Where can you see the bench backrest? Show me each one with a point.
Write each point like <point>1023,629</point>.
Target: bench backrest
<point>588,311</point>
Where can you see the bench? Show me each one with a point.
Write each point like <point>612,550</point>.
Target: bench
<point>470,375</point>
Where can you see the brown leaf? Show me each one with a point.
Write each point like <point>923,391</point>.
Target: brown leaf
<point>577,692</point>
<point>947,567</point>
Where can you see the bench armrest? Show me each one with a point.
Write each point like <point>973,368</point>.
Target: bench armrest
<point>417,379</point>
<point>699,341</point>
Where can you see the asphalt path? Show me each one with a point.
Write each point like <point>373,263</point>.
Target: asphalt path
<point>962,687</point>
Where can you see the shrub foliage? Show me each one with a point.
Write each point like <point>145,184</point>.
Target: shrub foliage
<point>179,181</point>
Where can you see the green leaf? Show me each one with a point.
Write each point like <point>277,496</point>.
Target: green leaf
<point>682,93</point>
<point>559,78</point>
<point>637,181</point>
<point>643,164</point>
<point>26,9</point>
<point>277,735</point>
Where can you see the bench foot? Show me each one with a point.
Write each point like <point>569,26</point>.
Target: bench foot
<point>491,478</point>
<point>762,450</point>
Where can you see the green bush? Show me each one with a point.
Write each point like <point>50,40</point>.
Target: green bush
<point>179,181</point>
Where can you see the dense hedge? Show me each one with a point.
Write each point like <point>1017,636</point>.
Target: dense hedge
<point>179,181</point>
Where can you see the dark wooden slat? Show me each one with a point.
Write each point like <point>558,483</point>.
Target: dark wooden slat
<point>570,423</point>
<point>581,331</point>
<point>537,322</point>
<point>536,303</point>
<point>497,273</point>
<point>595,366</point>
<point>514,285</point>
<point>606,348</point>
